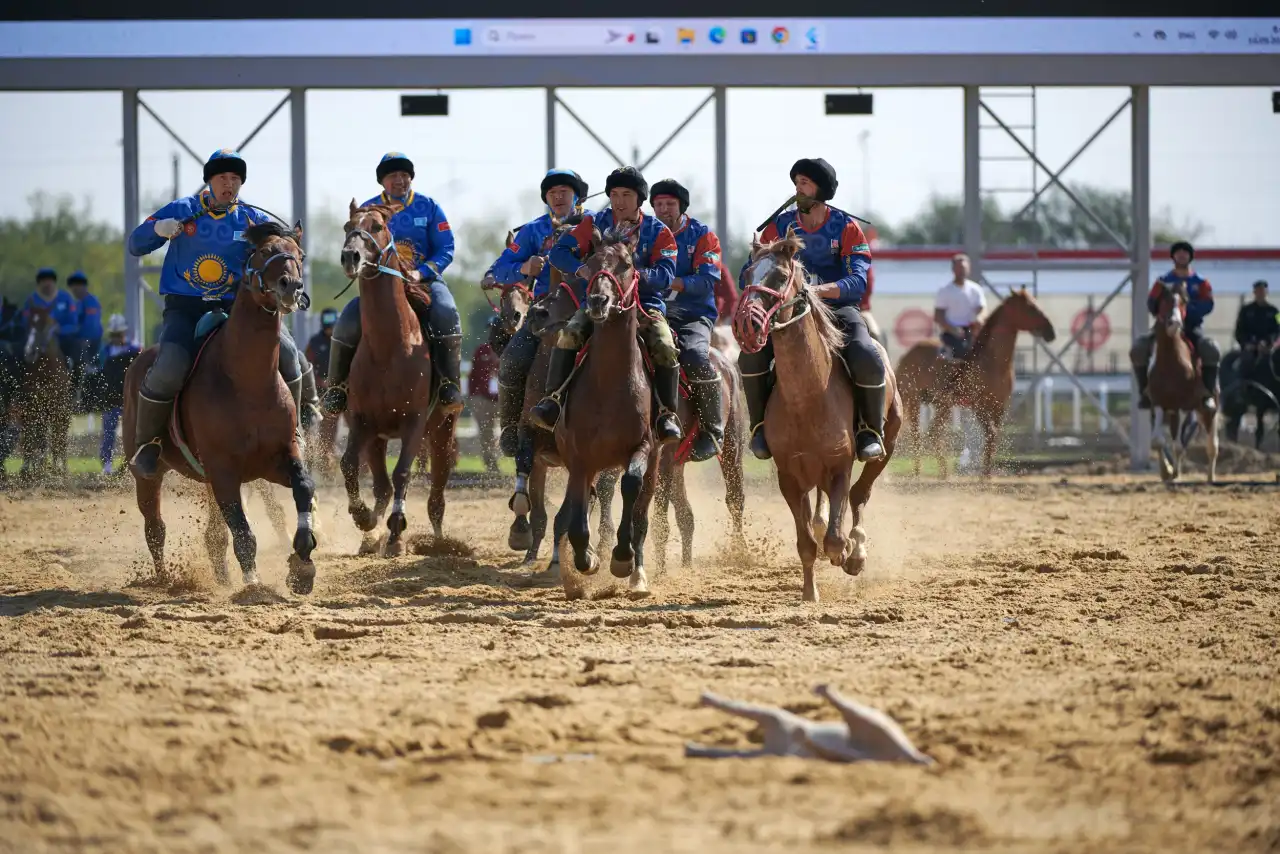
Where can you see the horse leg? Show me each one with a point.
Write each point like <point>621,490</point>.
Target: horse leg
<point>578,530</point>
<point>226,491</point>
<point>147,493</point>
<point>662,496</point>
<point>834,544</point>
<point>58,442</point>
<point>1209,422</point>
<point>275,510</point>
<point>216,540</point>
<point>817,523</point>
<point>639,582</point>
<point>735,496</point>
<point>411,442</point>
<point>537,512</point>
<point>806,544</point>
<point>941,418</point>
<point>684,516</point>
<point>302,571</point>
<point>606,486</point>
<point>991,432</point>
<point>357,438</point>
<point>623,554</point>
<point>521,534</point>
<point>559,529</point>
<point>442,460</point>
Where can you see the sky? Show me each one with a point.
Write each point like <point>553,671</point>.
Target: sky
<point>1215,152</point>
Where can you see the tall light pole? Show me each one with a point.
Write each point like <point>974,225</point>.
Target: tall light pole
<point>866,170</point>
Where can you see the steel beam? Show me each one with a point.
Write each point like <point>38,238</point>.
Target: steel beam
<point>973,243</point>
<point>722,169</point>
<point>1140,252</point>
<point>600,142</point>
<point>671,136</point>
<point>1035,264</point>
<point>297,99</point>
<point>551,128</point>
<point>133,312</point>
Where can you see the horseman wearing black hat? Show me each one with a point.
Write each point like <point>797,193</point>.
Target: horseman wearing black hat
<point>563,192</point>
<point>1199,305</point>
<point>424,242</point>
<point>691,309</point>
<point>655,262</point>
<point>837,256</point>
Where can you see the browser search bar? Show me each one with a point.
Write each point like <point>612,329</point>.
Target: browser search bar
<point>555,37</point>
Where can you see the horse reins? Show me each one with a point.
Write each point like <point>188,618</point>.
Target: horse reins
<point>304,301</point>
<point>379,267</point>
<point>632,290</point>
<point>752,322</point>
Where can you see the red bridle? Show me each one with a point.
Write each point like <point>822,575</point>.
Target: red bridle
<point>752,322</point>
<point>628,297</point>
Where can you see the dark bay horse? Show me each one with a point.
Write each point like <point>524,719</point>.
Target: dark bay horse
<point>236,417</point>
<point>44,397</point>
<point>390,385</point>
<point>671,467</point>
<point>981,381</point>
<point>809,421</point>
<point>606,418</point>
<point>537,453</point>
<point>1174,386</point>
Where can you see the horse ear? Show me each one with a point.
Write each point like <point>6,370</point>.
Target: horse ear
<point>297,229</point>
<point>791,232</point>
<point>352,211</point>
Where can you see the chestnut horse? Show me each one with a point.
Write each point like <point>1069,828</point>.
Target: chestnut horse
<point>236,417</point>
<point>44,398</point>
<point>809,421</point>
<point>606,419</point>
<point>671,464</point>
<point>390,385</point>
<point>537,453</point>
<point>1174,386</point>
<point>982,380</point>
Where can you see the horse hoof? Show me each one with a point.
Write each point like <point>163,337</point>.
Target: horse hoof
<point>855,564</point>
<point>251,577</point>
<point>622,568</point>
<point>364,518</point>
<point>587,562</point>
<point>368,545</point>
<point>394,548</point>
<point>397,523</point>
<point>520,504</point>
<point>304,543</point>
<point>520,537</point>
<point>302,575</point>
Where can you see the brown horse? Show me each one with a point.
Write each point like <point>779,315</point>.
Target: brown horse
<point>981,381</point>
<point>390,385</point>
<point>1175,386</point>
<point>671,464</point>
<point>44,398</point>
<point>809,422</point>
<point>537,453</point>
<point>605,420</point>
<point>236,417</point>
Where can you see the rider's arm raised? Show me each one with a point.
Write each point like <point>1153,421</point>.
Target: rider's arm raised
<point>144,240</point>
<point>701,283</point>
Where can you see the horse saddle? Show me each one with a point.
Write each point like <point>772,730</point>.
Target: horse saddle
<point>209,321</point>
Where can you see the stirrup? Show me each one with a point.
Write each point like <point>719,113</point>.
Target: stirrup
<point>864,430</point>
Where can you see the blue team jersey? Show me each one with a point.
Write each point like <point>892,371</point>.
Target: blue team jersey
<point>1199,295</point>
<point>421,232</point>
<point>533,238</point>
<point>62,307</point>
<point>655,255</point>
<point>836,252</point>
<point>698,269</point>
<point>90,318</point>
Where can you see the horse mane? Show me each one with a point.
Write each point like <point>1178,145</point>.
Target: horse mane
<point>260,232</point>
<point>825,319</point>
<point>988,327</point>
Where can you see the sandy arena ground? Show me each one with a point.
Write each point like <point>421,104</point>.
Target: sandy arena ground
<point>1092,664</point>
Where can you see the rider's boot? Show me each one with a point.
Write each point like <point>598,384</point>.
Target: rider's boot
<point>309,401</point>
<point>546,412</point>
<point>340,356</point>
<point>1210,376</point>
<point>447,354</point>
<point>869,412</point>
<point>707,403</point>
<point>666,426</point>
<point>510,403</point>
<point>756,387</point>
<point>153,420</point>
<point>1140,374</point>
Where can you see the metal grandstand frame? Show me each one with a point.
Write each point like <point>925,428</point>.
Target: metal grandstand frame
<point>971,73</point>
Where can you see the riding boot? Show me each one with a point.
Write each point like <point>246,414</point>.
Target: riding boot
<point>446,352</point>
<point>757,388</point>
<point>309,401</point>
<point>666,426</point>
<point>340,356</point>
<point>706,402</point>
<point>510,404</point>
<point>153,420</point>
<point>1140,374</point>
<point>546,412</point>
<point>1210,377</point>
<point>299,429</point>
<point>869,406</point>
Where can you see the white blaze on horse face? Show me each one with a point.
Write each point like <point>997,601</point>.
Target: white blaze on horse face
<point>762,268</point>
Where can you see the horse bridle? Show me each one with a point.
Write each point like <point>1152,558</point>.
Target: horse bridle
<point>632,291</point>
<point>379,267</point>
<point>753,321</point>
<point>250,271</point>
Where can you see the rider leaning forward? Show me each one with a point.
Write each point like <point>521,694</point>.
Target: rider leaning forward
<point>202,268</point>
<point>837,256</point>
<point>1199,304</point>
<point>424,242</point>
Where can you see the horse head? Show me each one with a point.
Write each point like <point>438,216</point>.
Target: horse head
<point>273,272</point>
<point>369,240</point>
<point>1021,309</point>
<point>775,280</point>
<point>612,280</point>
<point>1170,310</point>
<point>42,335</point>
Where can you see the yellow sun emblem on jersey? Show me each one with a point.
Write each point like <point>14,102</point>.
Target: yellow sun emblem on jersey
<point>209,270</point>
<point>406,252</point>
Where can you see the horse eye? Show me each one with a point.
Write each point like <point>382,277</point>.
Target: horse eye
<point>376,227</point>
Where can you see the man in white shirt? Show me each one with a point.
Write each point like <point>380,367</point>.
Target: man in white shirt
<point>958,307</point>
